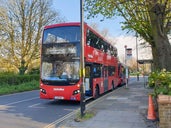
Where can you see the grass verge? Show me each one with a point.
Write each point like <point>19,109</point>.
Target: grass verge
<point>88,115</point>
<point>9,89</point>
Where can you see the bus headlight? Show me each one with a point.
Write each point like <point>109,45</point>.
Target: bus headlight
<point>76,92</point>
<point>43,91</point>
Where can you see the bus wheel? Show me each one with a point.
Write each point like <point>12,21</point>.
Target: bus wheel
<point>113,86</point>
<point>97,92</point>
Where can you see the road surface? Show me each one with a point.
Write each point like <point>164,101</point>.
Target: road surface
<point>27,110</point>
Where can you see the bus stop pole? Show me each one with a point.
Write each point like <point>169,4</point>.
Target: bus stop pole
<point>82,98</point>
<point>126,70</point>
<point>137,57</point>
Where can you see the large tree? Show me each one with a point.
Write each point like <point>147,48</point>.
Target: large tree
<point>21,23</point>
<point>150,19</point>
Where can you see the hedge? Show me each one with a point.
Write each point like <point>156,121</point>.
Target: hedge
<point>13,79</point>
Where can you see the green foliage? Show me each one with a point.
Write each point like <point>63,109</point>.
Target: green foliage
<point>20,31</point>
<point>7,73</point>
<point>34,71</point>
<point>8,89</point>
<point>12,83</point>
<point>148,18</point>
<point>133,74</point>
<point>161,81</point>
<point>13,79</point>
<point>88,115</point>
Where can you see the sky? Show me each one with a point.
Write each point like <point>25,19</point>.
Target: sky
<point>70,9</point>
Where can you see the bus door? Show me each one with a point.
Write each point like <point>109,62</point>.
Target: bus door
<point>105,78</point>
<point>88,80</point>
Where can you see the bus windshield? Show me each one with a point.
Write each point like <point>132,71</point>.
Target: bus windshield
<point>60,55</point>
<point>60,72</point>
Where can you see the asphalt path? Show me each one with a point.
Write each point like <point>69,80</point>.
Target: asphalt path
<point>27,110</point>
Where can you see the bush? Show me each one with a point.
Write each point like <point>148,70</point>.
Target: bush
<point>161,82</point>
<point>34,71</point>
<point>13,79</point>
<point>8,89</point>
<point>7,73</point>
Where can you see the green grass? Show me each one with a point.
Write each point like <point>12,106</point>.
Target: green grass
<point>28,86</point>
<point>88,115</point>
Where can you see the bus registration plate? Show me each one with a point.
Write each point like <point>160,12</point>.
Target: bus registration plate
<point>58,97</point>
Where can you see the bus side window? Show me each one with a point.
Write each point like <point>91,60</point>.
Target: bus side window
<point>115,52</point>
<point>111,70</point>
<point>112,51</point>
<point>105,71</point>
<point>96,71</point>
<point>89,38</point>
<point>105,47</point>
<point>95,41</point>
<point>88,42</point>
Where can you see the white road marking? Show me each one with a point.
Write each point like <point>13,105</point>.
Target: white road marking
<point>66,109</point>
<point>34,105</point>
<point>38,105</point>
<point>18,93</point>
<point>53,124</point>
<point>21,101</point>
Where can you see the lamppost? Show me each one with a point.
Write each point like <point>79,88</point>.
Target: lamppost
<point>126,69</point>
<point>82,99</point>
<point>137,56</point>
<point>125,53</point>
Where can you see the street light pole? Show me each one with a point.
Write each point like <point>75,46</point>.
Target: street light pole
<point>82,99</point>
<point>126,68</point>
<point>125,53</point>
<point>137,56</point>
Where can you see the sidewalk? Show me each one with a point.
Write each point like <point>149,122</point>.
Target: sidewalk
<point>122,108</point>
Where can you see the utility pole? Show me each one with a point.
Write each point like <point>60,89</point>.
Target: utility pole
<point>137,56</point>
<point>82,67</point>
<point>126,69</point>
<point>125,53</point>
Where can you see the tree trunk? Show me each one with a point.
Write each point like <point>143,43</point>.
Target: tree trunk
<point>161,48</point>
<point>161,52</point>
<point>22,68</point>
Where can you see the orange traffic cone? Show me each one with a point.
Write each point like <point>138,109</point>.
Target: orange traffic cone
<point>151,112</point>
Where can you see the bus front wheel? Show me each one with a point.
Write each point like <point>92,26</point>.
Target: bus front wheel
<point>97,93</point>
<point>113,86</point>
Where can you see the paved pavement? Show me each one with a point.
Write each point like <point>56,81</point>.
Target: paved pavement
<point>122,108</point>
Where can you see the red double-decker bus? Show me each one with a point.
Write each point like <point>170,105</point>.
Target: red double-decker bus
<point>123,73</point>
<point>60,63</point>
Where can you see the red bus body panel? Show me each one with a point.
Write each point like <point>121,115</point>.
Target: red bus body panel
<point>60,92</point>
